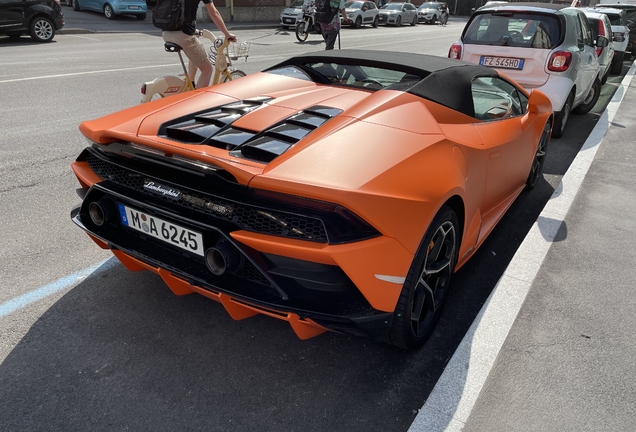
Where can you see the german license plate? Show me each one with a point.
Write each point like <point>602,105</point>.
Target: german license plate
<point>502,62</point>
<point>168,232</point>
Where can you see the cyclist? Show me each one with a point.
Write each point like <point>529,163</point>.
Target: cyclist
<point>187,38</point>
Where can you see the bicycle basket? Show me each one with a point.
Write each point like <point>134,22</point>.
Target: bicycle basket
<point>237,49</point>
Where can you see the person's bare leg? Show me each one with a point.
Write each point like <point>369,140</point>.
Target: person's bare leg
<point>206,74</point>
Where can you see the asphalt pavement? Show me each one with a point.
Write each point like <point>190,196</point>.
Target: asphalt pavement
<point>566,361</point>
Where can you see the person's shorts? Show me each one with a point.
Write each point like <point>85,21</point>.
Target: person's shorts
<point>192,46</point>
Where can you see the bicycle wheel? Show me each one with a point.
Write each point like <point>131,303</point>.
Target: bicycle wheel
<point>301,34</point>
<point>234,75</point>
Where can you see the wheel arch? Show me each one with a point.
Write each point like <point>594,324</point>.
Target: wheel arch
<point>456,203</point>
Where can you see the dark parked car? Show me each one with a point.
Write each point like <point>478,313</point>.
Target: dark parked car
<point>38,18</point>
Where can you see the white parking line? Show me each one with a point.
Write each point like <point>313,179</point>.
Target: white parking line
<point>450,403</point>
<point>19,302</point>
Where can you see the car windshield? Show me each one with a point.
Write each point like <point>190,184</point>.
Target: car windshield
<point>357,76</point>
<point>516,29</point>
<point>353,5</point>
<point>296,4</point>
<point>429,6</point>
<point>392,6</point>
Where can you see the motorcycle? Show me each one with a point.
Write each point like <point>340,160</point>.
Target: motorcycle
<point>307,25</point>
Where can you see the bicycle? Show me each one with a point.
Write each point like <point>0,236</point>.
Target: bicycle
<point>307,25</point>
<point>222,52</point>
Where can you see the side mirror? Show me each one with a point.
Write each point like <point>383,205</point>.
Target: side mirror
<point>602,42</point>
<point>538,102</point>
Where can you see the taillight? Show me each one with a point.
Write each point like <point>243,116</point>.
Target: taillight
<point>560,61</point>
<point>599,50</point>
<point>455,52</point>
<point>143,88</point>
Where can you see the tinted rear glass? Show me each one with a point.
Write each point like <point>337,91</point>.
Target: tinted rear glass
<point>594,26</point>
<point>514,29</point>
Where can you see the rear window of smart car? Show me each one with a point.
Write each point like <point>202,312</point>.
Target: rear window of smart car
<point>517,29</point>
<point>615,19</point>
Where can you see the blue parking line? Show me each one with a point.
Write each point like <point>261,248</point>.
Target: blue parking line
<point>19,302</point>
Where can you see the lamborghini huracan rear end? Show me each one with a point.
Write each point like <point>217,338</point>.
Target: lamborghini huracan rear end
<point>340,198</point>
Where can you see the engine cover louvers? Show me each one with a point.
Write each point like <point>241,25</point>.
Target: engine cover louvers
<point>214,128</point>
<point>200,127</point>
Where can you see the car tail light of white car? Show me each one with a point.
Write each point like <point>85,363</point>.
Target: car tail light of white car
<point>455,52</point>
<point>560,61</point>
<point>618,36</point>
<point>601,32</point>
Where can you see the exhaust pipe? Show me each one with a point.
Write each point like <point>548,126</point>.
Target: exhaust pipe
<point>223,257</point>
<point>101,211</point>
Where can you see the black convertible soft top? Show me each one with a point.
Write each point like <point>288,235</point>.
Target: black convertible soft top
<point>445,81</point>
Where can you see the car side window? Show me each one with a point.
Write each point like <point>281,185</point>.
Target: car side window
<point>497,99</point>
<point>585,30</point>
<point>580,39</point>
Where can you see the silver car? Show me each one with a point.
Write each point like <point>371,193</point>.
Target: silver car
<point>549,47</point>
<point>397,14</point>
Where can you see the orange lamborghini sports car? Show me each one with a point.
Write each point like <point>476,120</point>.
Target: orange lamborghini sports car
<point>337,190</point>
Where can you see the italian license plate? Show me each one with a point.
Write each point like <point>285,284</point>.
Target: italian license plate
<point>133,7</point>
<point>168,232</point>
<point>288,20</point>
<point>502,62</point>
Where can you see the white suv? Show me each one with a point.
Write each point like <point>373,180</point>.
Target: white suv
<point>620,35</point>
<point>544,46</point>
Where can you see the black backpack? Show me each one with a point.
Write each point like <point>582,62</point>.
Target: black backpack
<point>325,11</point>
<point>168,15</point>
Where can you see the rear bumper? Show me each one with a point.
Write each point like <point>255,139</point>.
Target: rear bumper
<point>336,307</point>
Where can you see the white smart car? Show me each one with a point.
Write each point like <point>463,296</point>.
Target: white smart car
<point>544,46</point>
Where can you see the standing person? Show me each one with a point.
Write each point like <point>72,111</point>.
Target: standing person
<point>330,30</point>
<point>188,39</point>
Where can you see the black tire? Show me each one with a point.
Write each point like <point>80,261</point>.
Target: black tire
<point>561,118</point>
<point>539,158</point>
<point>590,99</point>
<point>398,21</point>
<point>42,29</point>
<point>109,12</point>
<point>301,34</point>
<point>414,23</point>
<point>427,282</point>
<point>235,75</point>
<point>376,20</point>
<point>76,6</point>
<point>141,17</point>
<point>617,64</point>
<point>357,23</point>
<point>433,20</point>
